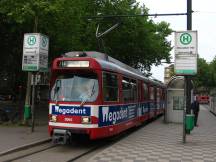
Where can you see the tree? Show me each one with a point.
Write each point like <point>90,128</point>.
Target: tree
<point>202,73</point>
<point>212,76</point>
<point>206,77</point>
<point>17,18</point>
<point>138,41</point>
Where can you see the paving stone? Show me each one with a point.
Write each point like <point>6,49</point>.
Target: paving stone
<point>161,142</point>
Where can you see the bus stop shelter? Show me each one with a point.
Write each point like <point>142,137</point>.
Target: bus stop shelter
<point>175,100</point>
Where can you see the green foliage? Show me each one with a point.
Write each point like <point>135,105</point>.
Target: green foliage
<point>202,73</point>
<point>212,69</point>
<point>206,76</point>
<point>137,41</point>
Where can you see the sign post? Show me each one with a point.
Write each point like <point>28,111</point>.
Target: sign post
<point>186,64</point>
<point>35,59</point>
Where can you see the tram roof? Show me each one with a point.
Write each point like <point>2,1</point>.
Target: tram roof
<point>110,63</point>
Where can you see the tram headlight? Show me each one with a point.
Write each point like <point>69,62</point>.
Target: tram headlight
<point>53,118</point>
<point>86,119</point>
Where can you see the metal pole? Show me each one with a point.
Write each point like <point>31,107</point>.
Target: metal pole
<point>189,14</point>
<point>184,112</point>
<point>33,85</point>
<point>33,102</point>
<point>27,106</point>
<point>187,78</point>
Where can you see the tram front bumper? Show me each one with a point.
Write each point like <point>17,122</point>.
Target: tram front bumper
<point>60,136</point>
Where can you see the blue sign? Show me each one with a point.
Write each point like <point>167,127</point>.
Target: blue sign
<point>110,115</point>
<point>71,110</point>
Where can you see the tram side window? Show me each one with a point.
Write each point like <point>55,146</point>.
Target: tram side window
<point>134,90</point>
<point>163,94</point>
<point>158,94</point>
<point>129,89</point>
<point>110,87</point>
<point>152,93</point>
<point>145,90</point>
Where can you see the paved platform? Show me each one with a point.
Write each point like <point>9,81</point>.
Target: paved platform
<point>160,142</point>
<point>13,136</point>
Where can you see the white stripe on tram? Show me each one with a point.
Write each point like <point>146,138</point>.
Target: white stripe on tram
<point>74,125</point>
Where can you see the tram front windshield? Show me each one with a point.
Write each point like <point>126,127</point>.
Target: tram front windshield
<point>75,88</point>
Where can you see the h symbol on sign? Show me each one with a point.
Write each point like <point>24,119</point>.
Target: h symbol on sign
<point>185,38</point>
<point>31,40</point>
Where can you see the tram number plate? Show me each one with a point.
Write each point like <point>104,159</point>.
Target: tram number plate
<point>68,119</point>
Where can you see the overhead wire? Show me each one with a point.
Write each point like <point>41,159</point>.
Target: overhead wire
<point>135,15</point>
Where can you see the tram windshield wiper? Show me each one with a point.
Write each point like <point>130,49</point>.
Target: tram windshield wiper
<point>88,96</point>
<point>56,89</point>
<point>93,90</point>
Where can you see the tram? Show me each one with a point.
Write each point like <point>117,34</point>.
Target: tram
<point>203,99</point>
<point>99,96</point>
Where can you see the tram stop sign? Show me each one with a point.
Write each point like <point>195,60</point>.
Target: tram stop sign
<point>35,52</point>
<point>186,52</point>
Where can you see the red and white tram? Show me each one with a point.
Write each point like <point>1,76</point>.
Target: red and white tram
<point>97,95</point>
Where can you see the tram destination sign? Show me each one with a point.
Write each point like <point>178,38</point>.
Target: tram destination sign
<point>186,52</point>
<point>35,52</point>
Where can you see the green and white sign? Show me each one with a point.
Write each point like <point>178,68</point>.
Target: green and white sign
<point>186,52</point>
<point>35,52</point>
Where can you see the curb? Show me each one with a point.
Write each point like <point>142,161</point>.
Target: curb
<point>23,147</point>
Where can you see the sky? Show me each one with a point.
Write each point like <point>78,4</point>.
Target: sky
<point>203,21</point>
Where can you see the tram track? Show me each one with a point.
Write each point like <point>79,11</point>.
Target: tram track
<point>26,151</point>
<point>79,150</point>
<point>102,145</point>
<point>57,153</point>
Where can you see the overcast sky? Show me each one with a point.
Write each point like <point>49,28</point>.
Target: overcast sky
<point>203,20</point>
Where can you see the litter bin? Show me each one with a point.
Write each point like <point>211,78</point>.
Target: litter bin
<point>189,121</point>
<point>27,112</point>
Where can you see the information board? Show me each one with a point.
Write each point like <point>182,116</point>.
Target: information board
<point>35,52</point>
<point>186,52</point>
